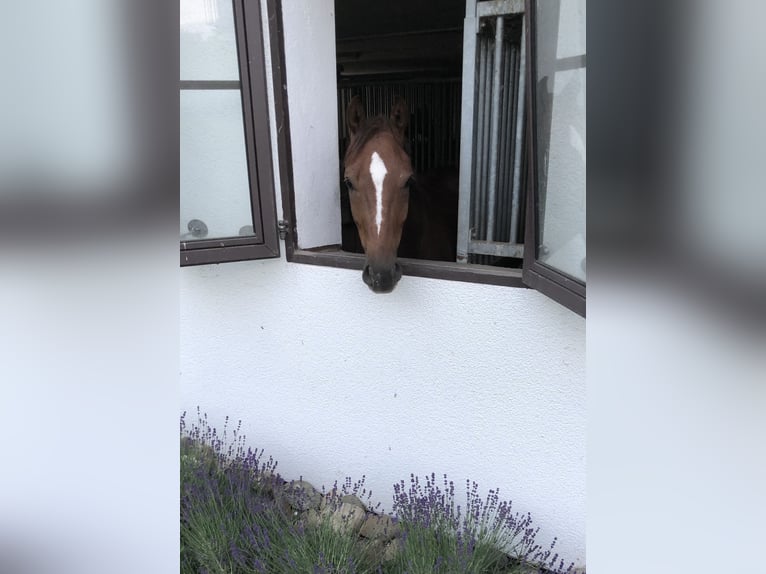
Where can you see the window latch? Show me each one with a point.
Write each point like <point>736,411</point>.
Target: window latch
<point>282,227</point>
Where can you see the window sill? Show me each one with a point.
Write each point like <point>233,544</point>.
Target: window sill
<point>333,256</point>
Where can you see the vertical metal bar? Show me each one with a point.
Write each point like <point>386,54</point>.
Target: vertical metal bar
<point>440,122</point>
<point>429,107</point>
<point>507,157</point>
<point>453,122</point>
<point>487,135</point>
<point>467,95</point>
<point>518,136</point>
<point>487,132</point>
<point>479,156</point>
<point>495,128</point>
<point>498,193</point>
<point>515,106</point>
<point>502,192</point>
<point>479,137</point>
<point>431,125</point>
<point>437,117</point>
<point>423,129</point>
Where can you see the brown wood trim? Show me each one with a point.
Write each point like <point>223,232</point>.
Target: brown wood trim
<point>560,293</point>
<point>209,85</point>
<point>241,30</point>
<point>447,270</point>
<point>220,242</point>
<point>558,286</point>
<point>226,254</point>
<point>282,119</point>
<point>563,279</point>
<point>259,103</point>
<point>253,90</point>
<point>341,259</point>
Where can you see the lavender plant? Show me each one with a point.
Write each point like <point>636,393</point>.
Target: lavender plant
<point>233,522</point>
<point>484,537</point>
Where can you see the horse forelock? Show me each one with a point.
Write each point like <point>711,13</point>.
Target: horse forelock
<point>368,130</point>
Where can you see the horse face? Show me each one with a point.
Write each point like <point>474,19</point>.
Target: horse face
<point>378,174</point>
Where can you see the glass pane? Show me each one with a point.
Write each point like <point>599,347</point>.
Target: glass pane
<point>208,43</point>
<point>214,178</point>
<point>561,136</point>
<point>571,36</point>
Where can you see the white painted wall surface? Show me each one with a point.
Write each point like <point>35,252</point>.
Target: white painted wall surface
<point>475,381</point>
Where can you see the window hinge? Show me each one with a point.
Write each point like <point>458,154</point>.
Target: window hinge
<point>282,226</point>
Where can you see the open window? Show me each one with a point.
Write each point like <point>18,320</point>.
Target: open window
<point>495,88</point>
<point>227,187</point>
<point>554,262</point>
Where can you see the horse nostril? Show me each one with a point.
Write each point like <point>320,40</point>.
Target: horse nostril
<point>366,276</point>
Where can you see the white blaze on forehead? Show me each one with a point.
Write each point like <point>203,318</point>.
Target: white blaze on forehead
<point>378,172</point>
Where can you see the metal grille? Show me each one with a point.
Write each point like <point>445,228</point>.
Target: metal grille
<point>491,203</point>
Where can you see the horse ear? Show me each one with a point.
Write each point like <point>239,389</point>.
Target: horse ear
<point>400,116</point>
<point>354,115</point>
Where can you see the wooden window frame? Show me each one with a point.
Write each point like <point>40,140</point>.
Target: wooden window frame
<point>255,112</point>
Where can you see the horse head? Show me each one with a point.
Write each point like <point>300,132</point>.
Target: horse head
<point>378,174</point>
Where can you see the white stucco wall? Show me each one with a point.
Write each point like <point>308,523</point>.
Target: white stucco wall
<point>475,381</point>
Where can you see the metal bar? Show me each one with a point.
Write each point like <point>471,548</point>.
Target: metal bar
<point>510,131</point>
<point>209,84</point>
<point>477,215</point>
<point>467,103</point>
<point>495,127</point>
<point>499,7</point>
<point>496,248</point>
<point>505,111</point>
<point>509,134</point>
<point>519,135</point>
<point>486,139</point>
<point>431,131</point>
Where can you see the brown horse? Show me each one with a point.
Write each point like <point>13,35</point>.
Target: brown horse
<point>383,193</point>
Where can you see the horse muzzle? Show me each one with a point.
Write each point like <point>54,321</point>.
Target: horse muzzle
<point>381,280</point>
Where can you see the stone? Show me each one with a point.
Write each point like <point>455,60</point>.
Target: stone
<point>347,518</point>
<point>353,499</point>
<point>300,495</point>
<point>313,518</point>
<point>198,455</point>
<point>391,551</point>
<point>380,527</point>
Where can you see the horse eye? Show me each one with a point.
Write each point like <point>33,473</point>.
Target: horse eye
<point>410,182</point>
<point>349,185</point>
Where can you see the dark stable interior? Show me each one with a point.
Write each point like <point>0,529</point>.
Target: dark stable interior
<point>407,48</point>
